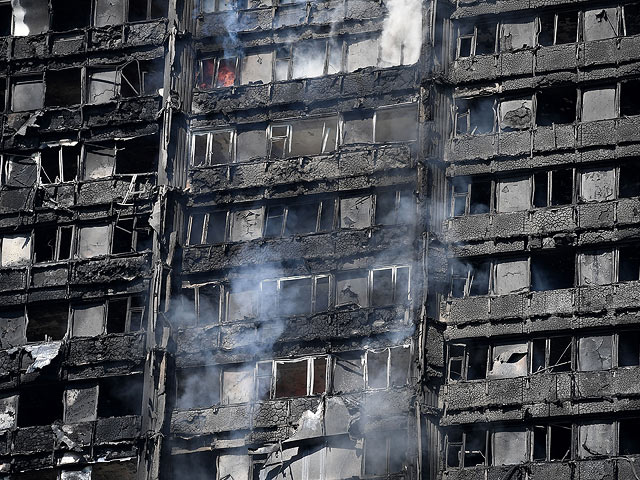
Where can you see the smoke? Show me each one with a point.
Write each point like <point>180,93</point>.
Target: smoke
<point>401,39</point>
<point>20,28</point>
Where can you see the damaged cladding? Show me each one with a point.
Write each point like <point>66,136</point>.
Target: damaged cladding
<point>327,239</point>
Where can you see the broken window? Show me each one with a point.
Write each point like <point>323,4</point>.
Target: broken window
<point>510,446</point>
<point>357,127</point>
<point>515,114</point>
<point>15,250</point>
<point>389,286</point>
<point>140,10</point>
<point>201,465</point>
<point>513,194</point>
<point>295,296</point>
<point>64,87</point>
<point>120,396</point>
<point>210,6</point>
<point>108,12</point>
<point>197,387</point>
<point>126,314</point>
<point>628,348</point>
<point>551,354</point>
<point>205,302</point>
<point>212,148</point>
<point>596,267</point>
<point>396,124</point>
<point>47,322</point>
<point>598,104</point>
<point>80,403</point>
<point>131,235</point>
<point>87,320</point>
<point>196,232</point>
<point>40,405</point>
<point>18,171</point>
<point>217,73</point>
<point>93,241</point>
<point>99,161</point>
<point>556,106</point>
<point>69,16</point>
<point>385,452</point>
<point>256,68</point>
<point>551,271</point>
<point>510,276</point>
<point>466,41</point>
<point>312,136</point>
<point>595,439</point>
<point>237,385</point>
<point>395,207</point>
<point>558,28</point>
<point>470,196</point>
<point>628,264</point>
<point>387,368</point>
<point>516,35</point>
<point>59,164</point>
<point>475,448</point>
<point>594,353</point>
<point>629,102</point>
<point>27,94</point>
<point>30,17</point>
<point>362,53</point>
<point>631,18</point>
<point>290,297</point>
<point>466,448</point>
<point>291,378</point>
<point>124,470</point>
<point>250,144</point>
<point>628,436</point>
<point>509,360</point>
<point>300,219</point>
<point>553,188</point>
<point>242,303</point>
<point>629,181</point>
<point>12,328</point>
<point>597,185</point>
<point>352,288</point>
<point>137,156</point>
<point>141,78</point>
<point>600,24</point>
<point>245,224</point>
<point>467,362</point>
<point>474,116</point>
<point>356,212</point>
<point>485,39</point>
<point>314,58</point>
<point>103,86</point>
<point>5,19</point>
<point>469,279</point>
<point>348,372</point>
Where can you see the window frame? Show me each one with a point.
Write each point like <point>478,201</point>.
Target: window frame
<point>208,161</point>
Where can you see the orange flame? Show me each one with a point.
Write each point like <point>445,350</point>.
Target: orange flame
<point>226,75</point>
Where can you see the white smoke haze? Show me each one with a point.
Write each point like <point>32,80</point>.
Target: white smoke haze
<point>20,29</point>
<point>401,39</point>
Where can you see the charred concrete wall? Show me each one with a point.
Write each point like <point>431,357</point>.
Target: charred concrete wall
<point>540,313</point>
<point>213,244</point>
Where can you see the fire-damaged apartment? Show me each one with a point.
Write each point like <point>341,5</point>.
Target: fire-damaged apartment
<point>319,239</point>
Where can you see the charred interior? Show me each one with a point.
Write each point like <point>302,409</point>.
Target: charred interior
<point>319,239</point>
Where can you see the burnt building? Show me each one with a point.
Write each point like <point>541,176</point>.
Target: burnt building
<point>318,240</point>
<point>212,253</point>
<point>541,315</point>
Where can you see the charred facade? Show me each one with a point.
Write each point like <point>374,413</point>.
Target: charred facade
<point>318,240</point>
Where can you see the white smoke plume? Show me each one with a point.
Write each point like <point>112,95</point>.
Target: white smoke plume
<point>20,28</point>
<point>401,38</point>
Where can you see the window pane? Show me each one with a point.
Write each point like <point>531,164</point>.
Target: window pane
<point>291,379</point>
